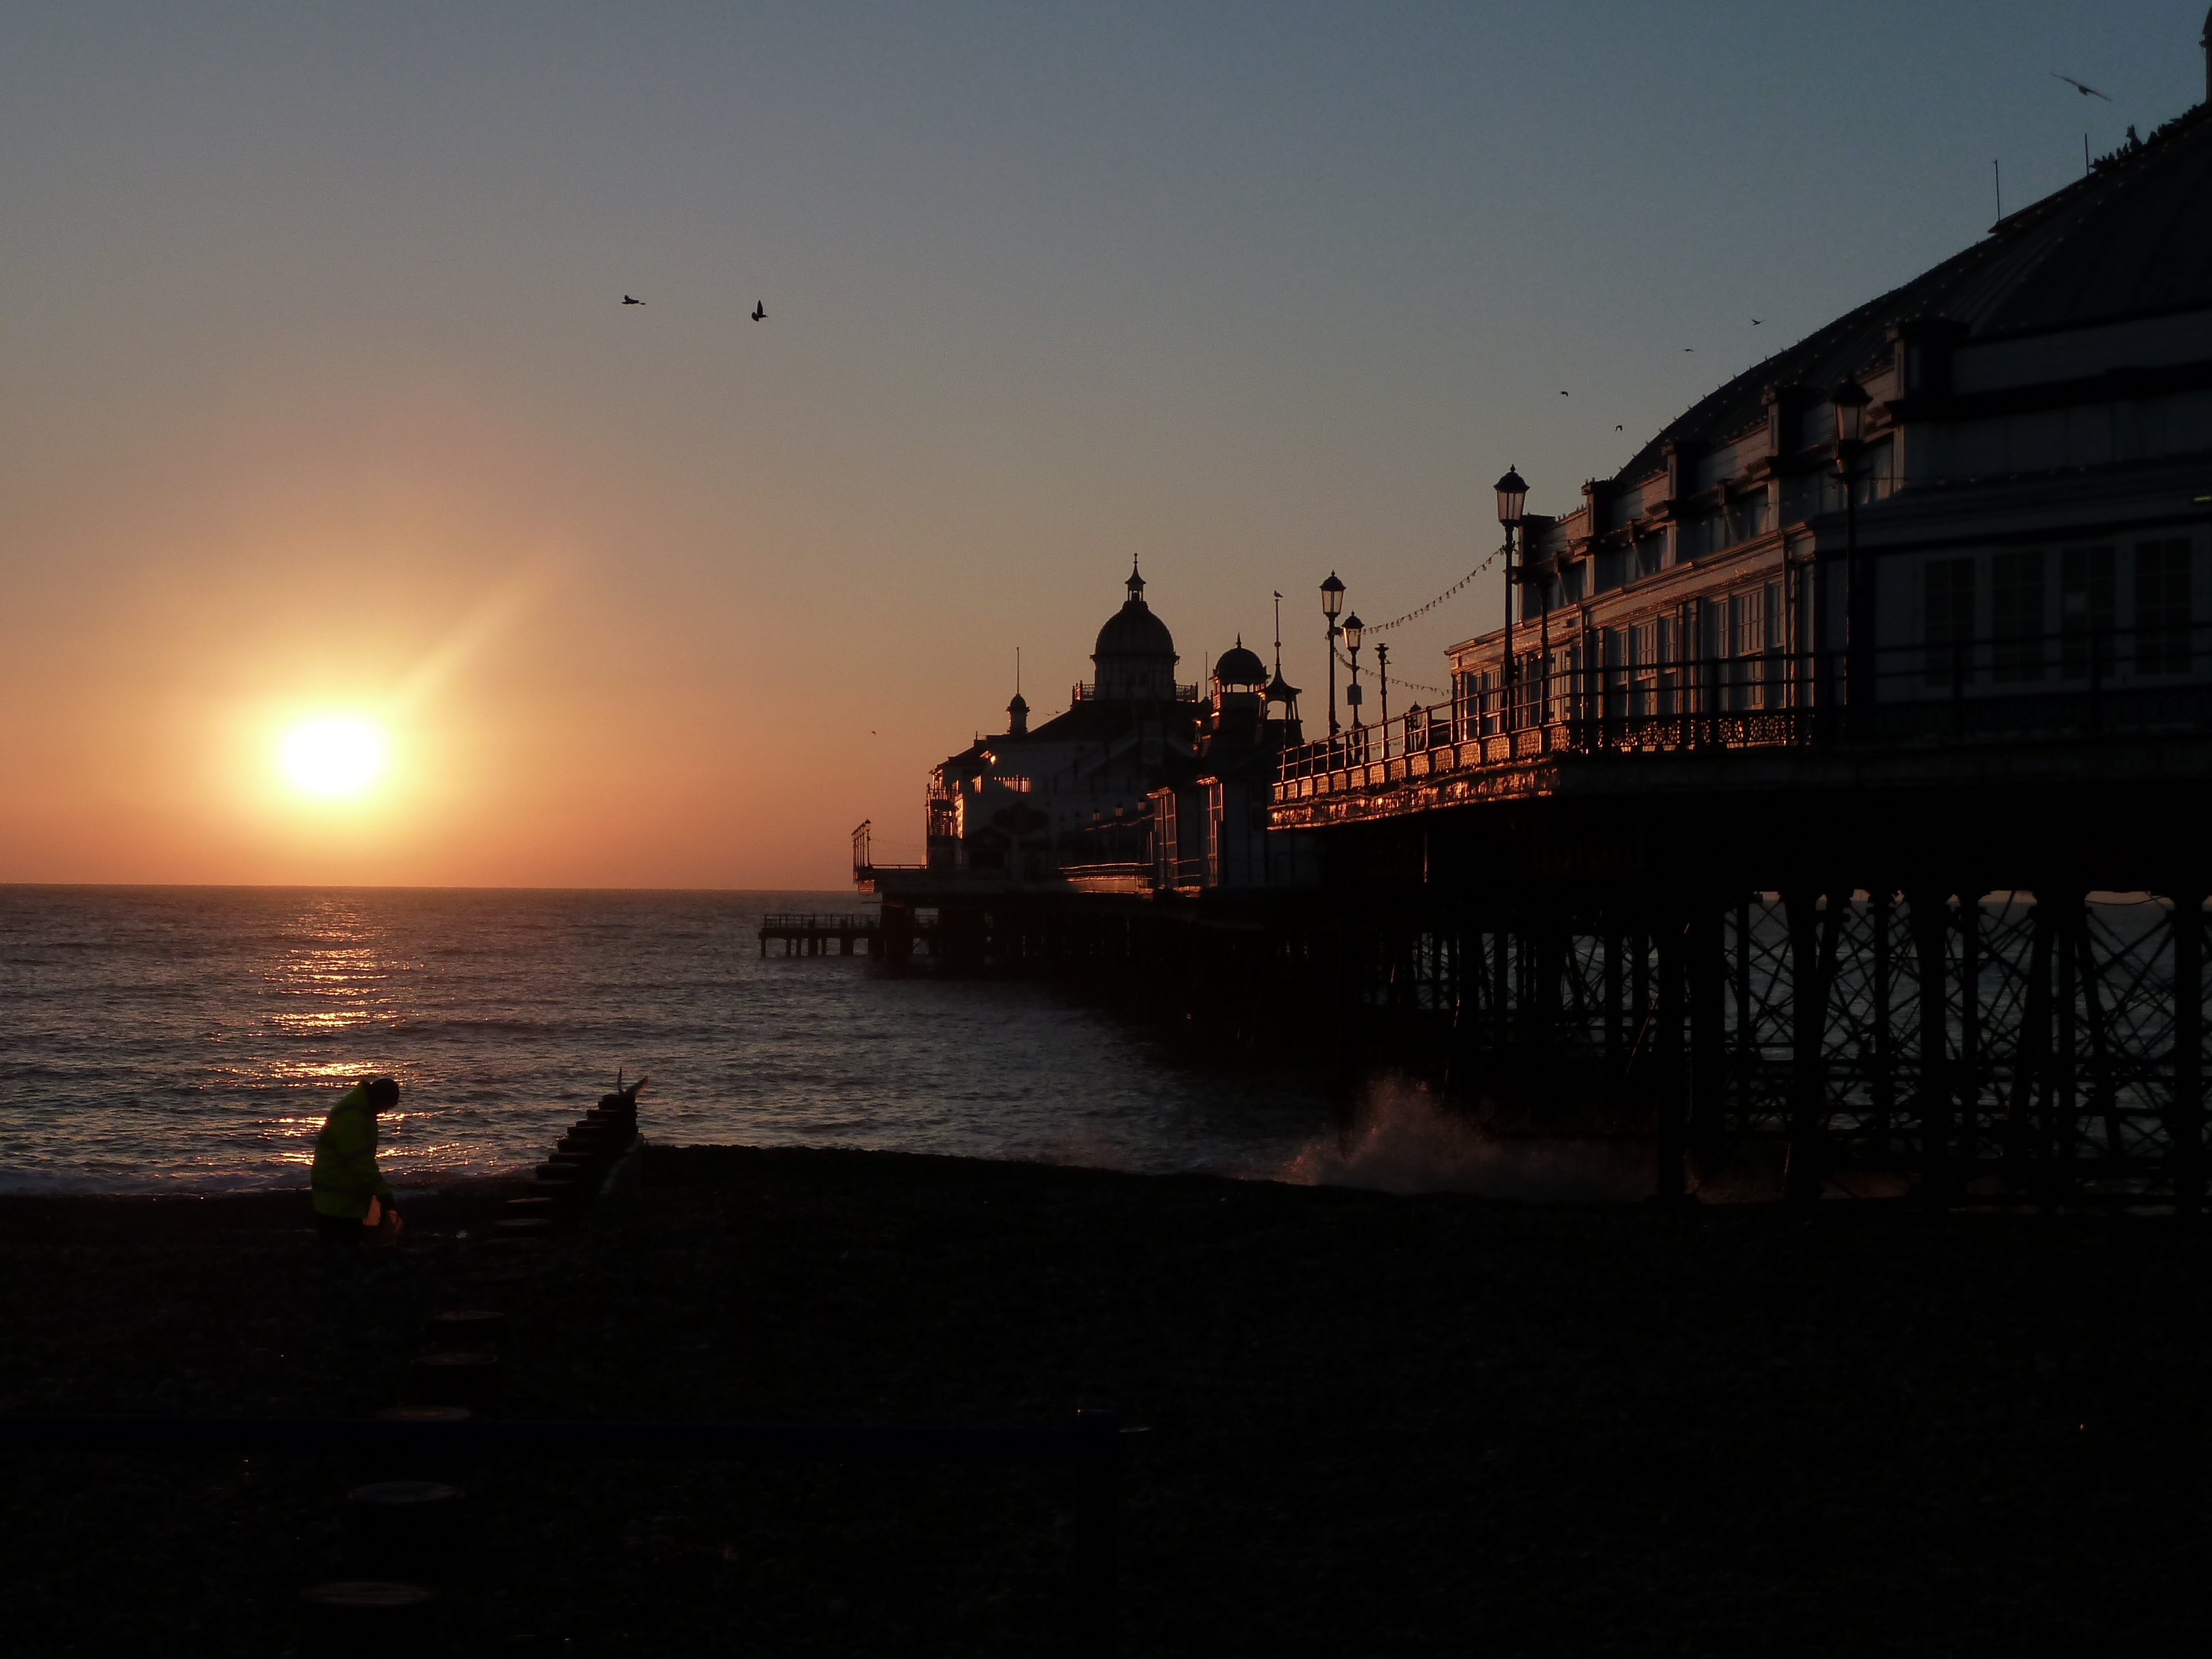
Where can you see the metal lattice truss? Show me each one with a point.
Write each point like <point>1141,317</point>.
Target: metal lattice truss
<point>2047,1047</point>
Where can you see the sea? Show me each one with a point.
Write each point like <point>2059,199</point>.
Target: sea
<point>190,1039</point>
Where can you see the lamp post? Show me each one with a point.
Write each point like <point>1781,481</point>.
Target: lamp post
<point>1850,400</point>
<point>1332,601</point>
<point>1352,627</point>
<point>1512,500</point>
<point>1382,678</point>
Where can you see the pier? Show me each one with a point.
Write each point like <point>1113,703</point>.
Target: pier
<point>1827,811</point>
<point>807,933</point>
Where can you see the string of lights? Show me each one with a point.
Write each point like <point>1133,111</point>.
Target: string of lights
<point>1396,622</point>
<point>1344,661</point>
<point>1423,610</point>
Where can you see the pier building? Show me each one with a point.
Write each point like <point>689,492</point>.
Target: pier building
<point>1143,783</point>
<point>1829,809</point>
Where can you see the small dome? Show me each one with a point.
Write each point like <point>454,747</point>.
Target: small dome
<point>1281,691</point>
<point>1239,666</point>
<point>1135,631</point>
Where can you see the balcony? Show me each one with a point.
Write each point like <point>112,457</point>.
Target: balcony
<point>1944,695</point>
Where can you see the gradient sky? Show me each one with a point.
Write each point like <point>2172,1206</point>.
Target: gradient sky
<point>316,393</point>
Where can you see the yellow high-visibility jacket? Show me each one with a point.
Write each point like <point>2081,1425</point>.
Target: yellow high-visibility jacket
<point>345,1178</point>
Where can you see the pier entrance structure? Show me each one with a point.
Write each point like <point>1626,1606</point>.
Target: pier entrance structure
<point>1840,776</point>
<point>1832,808</point>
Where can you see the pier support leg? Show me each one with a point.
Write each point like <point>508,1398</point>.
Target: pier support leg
<point>1709,1057</point>
<point>1669,1073</point>
<point>1808,1012</point>
<point>1930,921</point>
<point>1616,1039</point>
<point>2186,1125</point>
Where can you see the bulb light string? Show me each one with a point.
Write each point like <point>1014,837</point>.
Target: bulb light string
<point>1344,661</point>
<point>1399,622</point>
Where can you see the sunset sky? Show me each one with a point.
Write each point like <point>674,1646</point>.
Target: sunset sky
<point>317,400</point>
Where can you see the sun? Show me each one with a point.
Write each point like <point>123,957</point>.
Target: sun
<point>333,757</point>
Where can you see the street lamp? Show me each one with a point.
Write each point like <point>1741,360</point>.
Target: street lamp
<point>1512,502</point>
<point>1352,627</point>
<point>1331,601</point>
<point>1850,400</point>
<point>1382,676</point>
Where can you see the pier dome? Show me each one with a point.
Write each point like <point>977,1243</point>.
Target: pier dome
<point>1241,669</point>
<point>1135,655</point>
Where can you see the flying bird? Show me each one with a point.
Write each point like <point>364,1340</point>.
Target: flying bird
<point>2086,91</point>
<point>760,312</point>
<point>1689,348</point>
<point>1563,394</point>
<point>1756,321</point>
<point>628,301</point>
<point>1617,428</point>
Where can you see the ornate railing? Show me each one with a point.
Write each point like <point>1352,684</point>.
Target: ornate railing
<point>1962,689</point>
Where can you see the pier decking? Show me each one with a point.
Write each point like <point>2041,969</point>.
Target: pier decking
<point>808,933</point>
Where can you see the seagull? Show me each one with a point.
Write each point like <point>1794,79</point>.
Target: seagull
<point>1618,429</point>
<point>2086,91</point>
<point>1563,394</point>
<point>1756,321</point>
<point>1689,348</point>
<point>760,312</point>
<point>628,301</point>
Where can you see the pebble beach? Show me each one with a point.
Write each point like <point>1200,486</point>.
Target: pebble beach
<point>1371,1424</point>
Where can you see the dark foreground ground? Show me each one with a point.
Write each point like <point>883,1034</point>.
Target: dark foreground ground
<point>1377,1424</point>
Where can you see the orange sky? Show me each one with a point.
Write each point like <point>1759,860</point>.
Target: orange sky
<point>317,396</point>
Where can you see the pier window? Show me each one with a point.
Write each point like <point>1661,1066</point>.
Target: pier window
<point>2016,621</point>
<point>1645,641</point>
<point>2087,587</point>
<point>1948,629</point>
<point>2162,605</point>
<point>1620,672</point>
<point>1746,636</point>
<point>1747,516</point>
<point>1650,554</point>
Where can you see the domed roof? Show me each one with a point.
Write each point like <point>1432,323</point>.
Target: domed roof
<point>1239,666</point>
<point>1135,631</point>
<point>2134,238</point>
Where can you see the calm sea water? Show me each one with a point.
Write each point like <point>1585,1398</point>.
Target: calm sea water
<point>158,1038</point>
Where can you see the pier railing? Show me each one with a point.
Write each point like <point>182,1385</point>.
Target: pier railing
<point>1956,689</point>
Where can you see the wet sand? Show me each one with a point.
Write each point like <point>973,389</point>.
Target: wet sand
<point>1375,1425</point>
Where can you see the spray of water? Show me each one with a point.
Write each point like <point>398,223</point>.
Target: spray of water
<point>1401,1138</point>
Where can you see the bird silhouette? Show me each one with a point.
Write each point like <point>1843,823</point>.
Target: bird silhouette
<point>2086,91</point>
<point>628,301</point>
<point>1689,348</point>
<point>1756,321</point>
<point>1563,394</point>
<point>760,312</point>
<point>1618,429</point>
